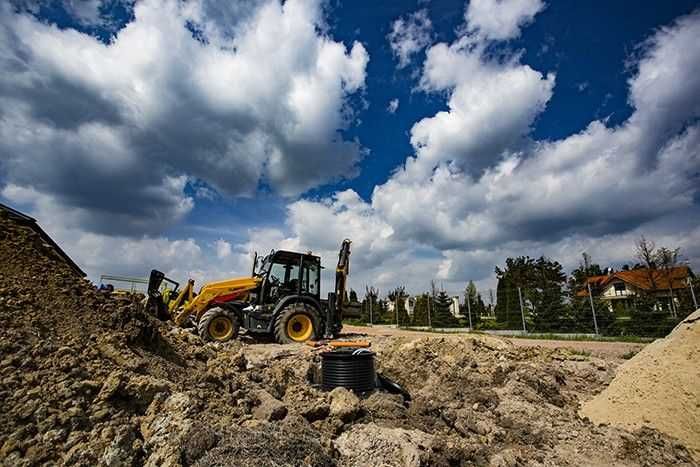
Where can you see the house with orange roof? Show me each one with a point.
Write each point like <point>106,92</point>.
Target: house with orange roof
<point>618,289</point>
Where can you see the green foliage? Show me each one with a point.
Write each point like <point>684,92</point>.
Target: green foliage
<point>649,318</point>
<point>398,298</point>
<point>491,325</point>
<point>370,310</point>
<point>420,311</point>
<point>541,284</point>
<point>441,316</point>
<point>473,304</point>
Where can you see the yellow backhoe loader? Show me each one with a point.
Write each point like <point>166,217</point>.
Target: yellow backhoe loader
<point>282,298</point>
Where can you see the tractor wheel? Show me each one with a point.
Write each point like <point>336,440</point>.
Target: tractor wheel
<point>297,323</point>
<point>218,325</point>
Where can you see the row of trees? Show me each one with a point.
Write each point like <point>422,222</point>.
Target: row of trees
<point>536,294</point>
<point>429,309</point>
<point>551,302</point>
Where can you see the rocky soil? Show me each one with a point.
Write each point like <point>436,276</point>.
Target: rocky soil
<point>88,380</point>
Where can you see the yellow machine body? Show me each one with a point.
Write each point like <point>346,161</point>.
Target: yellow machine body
<point>187,303</point>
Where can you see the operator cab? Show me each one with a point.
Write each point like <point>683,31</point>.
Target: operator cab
<point>288,273</point>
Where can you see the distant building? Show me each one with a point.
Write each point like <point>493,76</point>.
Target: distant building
<point>454,307</point>
<point>618,289</point>
<point>410,304</point>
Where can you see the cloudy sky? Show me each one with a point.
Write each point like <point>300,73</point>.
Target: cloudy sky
<point>440,136</point>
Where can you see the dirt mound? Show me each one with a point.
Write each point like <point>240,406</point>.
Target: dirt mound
<point>659,388</point>
<point>88,380</point>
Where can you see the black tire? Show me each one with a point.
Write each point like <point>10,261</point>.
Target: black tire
<point>290,316</point>
<point>218,325</point>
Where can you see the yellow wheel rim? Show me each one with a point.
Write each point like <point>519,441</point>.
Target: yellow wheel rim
<point>221,328</point>
<point>300,328</point>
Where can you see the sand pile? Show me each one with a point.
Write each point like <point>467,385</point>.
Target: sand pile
<point>659,388</point>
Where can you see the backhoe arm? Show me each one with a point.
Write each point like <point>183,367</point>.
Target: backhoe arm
<point>341,274</point>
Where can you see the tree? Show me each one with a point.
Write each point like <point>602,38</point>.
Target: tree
<point>685,298</point>
<point>580,304</point>
<point>370,307</point>
<point>420,311</point>
<point>441,316</point>
<point>667,260</point>
<point>473,304</point>
<point>647,318</point>
<point>645,251</point>
<point>541,285</point>
<point>659,262</point>
<point>549,313</point>
<point>398,297</point>
<point>516,274</point>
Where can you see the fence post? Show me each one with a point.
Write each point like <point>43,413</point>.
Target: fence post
<point>469,311</point>
<point>430,325</point>
<point>396,309</point>
<point>590,297</point>
<point>522,311</point>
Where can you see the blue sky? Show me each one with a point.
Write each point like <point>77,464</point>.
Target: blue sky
<point>521,127</point>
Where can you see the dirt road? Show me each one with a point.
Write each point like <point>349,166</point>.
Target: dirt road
<point>600,349</point>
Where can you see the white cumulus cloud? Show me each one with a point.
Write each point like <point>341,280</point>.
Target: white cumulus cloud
<point>107,128</point>
<point>409,35</point>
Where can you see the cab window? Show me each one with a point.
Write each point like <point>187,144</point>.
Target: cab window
<point>310,279</point>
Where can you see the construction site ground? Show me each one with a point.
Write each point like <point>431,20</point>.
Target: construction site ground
<point>86,379</point>
<point>597,348</point>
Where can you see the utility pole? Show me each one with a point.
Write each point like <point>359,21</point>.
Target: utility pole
<point>590,297</point>
<point>370,310</point>
<point>469,311</point>
<point>522,311</point>
<point>692,293</point>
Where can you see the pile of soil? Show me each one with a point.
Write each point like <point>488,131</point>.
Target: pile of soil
<point>659,388</point>
<point>88,380</point>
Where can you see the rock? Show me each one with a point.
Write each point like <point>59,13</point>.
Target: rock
<point>384,405</point>
<point>269,408</point>
<point>505,458</point>
<point>315,411</point>
<point>110,386</point>
<point>200,439</point>
<point>344,404</point>
<point>164,426</point>
<point>54,437</point>
<point>142,389</point>
<point>124,450</point>
<point>100,415</point>
<point>370,444</point>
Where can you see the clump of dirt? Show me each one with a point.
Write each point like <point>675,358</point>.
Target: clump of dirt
<point>89,380</point>
<point>659,387</point>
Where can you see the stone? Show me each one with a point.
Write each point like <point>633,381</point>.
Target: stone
<point>345,405</point>
<point>121,450</point>
<point>110,386</point>
<point>370,444</point>
<point>269,408</point>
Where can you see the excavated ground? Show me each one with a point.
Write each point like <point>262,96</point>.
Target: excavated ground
<point>89,380</point>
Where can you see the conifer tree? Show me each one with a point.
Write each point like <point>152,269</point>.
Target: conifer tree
<point>441,316</point>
